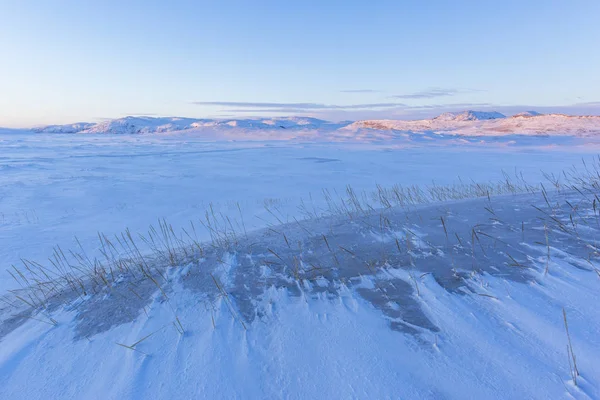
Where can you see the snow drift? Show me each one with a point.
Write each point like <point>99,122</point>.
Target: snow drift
<point>401,301</point>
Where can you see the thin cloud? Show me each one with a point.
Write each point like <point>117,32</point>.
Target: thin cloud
<point>262,106</point>
<point>589,104</point>
<point>428,94</point>
<point>360,91</point>
<point>435,92</point>
<point>433,110</point>
<point>266,110</point>
<point>453,105</point>
<point>393,110</point>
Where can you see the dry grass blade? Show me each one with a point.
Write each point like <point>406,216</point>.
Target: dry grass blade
<point>488,295</point>
<point>572,366</point>
<point>444,226</point>
<point>133,346</point>
<point>130,348</point>
<point>227,301</point>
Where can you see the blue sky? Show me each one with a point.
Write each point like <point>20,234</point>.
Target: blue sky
<point>67,61</point>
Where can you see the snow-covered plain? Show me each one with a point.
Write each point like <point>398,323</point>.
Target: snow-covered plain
<point>234,323</point>
<point>57,187</point>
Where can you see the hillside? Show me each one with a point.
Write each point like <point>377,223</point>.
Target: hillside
<point>141,125</point>
<point>469,116</point>
<point>466,123</point>
<point>474,124</point>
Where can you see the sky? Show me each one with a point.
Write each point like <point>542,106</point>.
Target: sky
<point>64,61</point>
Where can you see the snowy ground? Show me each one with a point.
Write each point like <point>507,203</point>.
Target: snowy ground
<point>405,326</point>
<point>56,187</point>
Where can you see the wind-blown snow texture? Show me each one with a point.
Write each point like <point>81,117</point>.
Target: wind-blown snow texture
<point>392,303</point>
<point>340,307</point>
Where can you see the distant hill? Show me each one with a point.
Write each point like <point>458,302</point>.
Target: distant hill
<point>133,125</point>
<point>476,123</point>
<point>527,114</point>
<point>469,116</point>
<point>466,123</point>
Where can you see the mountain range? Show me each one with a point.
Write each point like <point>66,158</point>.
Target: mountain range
<point>130,125</point>
<point>477,123</point>
<point>466,123</point>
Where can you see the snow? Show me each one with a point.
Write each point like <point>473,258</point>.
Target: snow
<point>465,124</point>
<point>482,124</point>
<point>496,328</point>
<point>469,116</point>
<point>145,125</point>
<point>527,114</point>
<point>55,187</point>
<point>70,128</point>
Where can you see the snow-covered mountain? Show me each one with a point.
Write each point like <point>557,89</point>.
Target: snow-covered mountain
<point>132,125</point>
<point>465,123</point>
<point>469,116</point>
<point>527,114</point>
<point>70,128</point>
<point>475,123</point>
